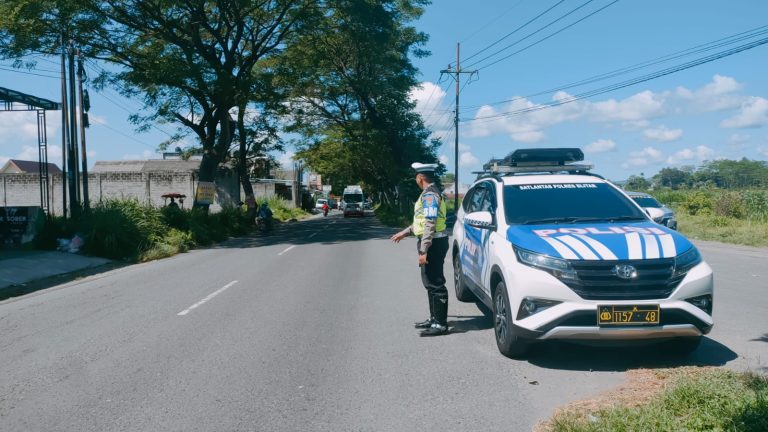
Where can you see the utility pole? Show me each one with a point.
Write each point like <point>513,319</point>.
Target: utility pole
<point>74,180</point>
<point>456,75</point>
<point>64,128</point>
<point>85,105</point>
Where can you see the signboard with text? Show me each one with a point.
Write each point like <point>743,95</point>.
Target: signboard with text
<point>18,225</point>
<point>206,191</point>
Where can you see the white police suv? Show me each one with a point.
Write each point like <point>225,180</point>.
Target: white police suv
<point>559,253</point>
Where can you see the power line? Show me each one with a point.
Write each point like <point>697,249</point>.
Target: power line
<point>99,122</point>
<point>27,72</point>
<point>498,17</point>
<point>514,31</point>
<point>551,23</point>
<point>627,83</point>
<point>708,46</point>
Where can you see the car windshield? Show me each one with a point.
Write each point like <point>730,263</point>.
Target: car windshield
<point>353,198</point>
<point>647,202</point>
<point>567,203</point>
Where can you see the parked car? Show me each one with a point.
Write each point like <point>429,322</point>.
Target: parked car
<point>660,213</point>
<point>319,203</point>
<point>558,253</point>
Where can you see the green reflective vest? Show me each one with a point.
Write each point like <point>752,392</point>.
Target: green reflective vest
<point>419,218</point>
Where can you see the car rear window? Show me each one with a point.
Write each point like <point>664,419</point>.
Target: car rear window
<point>549,203</point>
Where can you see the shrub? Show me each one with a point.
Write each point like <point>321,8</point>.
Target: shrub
<point>175,217</point>
<point>670,197</point>
<point>120,228</point>
<point>756,204</point>
<point>719,221</point>
<point>730,204</point>
<point>697,203</point>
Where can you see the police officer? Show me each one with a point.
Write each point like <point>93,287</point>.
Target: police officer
<point>429,226</point>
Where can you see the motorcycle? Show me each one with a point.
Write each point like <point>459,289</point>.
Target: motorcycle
<point>262,225</point>
<point>325,211</point>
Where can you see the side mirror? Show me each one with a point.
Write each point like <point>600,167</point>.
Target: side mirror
<point>654,213</point>
<point>481,219</point>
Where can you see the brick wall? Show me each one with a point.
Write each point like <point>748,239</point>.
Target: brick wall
<point>24,189</point>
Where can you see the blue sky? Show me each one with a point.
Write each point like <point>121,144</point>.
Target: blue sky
<point>715,110</point>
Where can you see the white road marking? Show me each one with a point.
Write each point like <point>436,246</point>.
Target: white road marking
<point>210,296</point>
<point>312,235</point>
<point>289,248</point>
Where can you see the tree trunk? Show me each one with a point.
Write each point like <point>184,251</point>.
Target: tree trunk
<point>242,166</point>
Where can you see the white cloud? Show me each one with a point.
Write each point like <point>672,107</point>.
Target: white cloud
<point>753,114</point>
<point>600,146</point>
<point>429,98</point>
<point>528,136</point>
<point>719,94</point>
<point>30,153</point>
<point>467,159</point>
<point>700,153</point>
<point>443,159</point>
<point>663,134</point>
<point>643,158</point>
<point>146,154</point>
<point>763,151</point>
<point>641,106</point>
<point>286,159</point>
<point>738,141</point>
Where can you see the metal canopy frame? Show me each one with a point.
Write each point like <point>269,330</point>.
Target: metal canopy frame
<point>12,100</point>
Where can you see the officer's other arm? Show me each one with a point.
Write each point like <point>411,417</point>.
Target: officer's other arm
<point>402,234</point>
<point>431,205</point>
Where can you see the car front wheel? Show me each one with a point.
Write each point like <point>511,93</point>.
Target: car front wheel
<point>507,340</point>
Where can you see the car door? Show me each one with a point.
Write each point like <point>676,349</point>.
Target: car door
<point>475,242</point>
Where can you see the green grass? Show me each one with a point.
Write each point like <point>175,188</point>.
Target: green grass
<point>132,231</point>
<point>724,229</point>
<point>391,217</point>
<point>728,216</point>
<point>693,399</point>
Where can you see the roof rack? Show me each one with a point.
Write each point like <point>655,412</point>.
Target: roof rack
<point>547,160</point>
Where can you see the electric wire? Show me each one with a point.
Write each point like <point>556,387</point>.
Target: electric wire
<point>708,46</point>
<point>545,38</point>
<point>626,83</point>
<point>515,30</point>
<point>498,17</point>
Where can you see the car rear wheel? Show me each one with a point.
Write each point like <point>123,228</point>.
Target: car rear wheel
<point>507,339</point>
<point>463,293</point>
<point>681,346</point>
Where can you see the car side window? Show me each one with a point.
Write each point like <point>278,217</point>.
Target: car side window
<point>477,199</point>
<point>489,199</point>
<point>467,201</point>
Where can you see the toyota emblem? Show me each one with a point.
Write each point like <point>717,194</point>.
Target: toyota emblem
<point>625,271</point>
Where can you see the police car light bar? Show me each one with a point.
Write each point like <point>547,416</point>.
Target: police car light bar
<point>550,160</point>
<point>547,155</point>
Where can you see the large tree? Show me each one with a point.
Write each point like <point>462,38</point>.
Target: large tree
<point>192,61</point>
<point>351,103</point>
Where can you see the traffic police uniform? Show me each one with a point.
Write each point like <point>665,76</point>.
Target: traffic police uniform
<point>429,226</point>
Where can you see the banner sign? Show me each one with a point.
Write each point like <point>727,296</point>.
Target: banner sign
<point>18,224</point>
<point>206,191</point>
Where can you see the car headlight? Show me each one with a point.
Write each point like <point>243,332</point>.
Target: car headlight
<point>687,261</point>
<point>557,267</point>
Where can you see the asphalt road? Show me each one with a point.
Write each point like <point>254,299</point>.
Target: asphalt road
<point>310,329</point>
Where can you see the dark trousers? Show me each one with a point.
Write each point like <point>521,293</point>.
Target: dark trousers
<point>434,280</point>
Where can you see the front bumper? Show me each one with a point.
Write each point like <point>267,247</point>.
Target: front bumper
<point>576,318</point>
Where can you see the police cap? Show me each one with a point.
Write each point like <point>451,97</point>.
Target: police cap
<point>423,168</point>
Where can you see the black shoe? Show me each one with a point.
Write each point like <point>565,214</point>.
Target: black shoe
<point>435,330</point>
<point>423,324</point>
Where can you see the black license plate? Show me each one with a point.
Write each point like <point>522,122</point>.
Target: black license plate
<point>609,315</point>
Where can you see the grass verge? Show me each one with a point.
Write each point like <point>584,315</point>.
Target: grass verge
<point>391,217</point>
<point>723,229</point>
<point>680,399</point>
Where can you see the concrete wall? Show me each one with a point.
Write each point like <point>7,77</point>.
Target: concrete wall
<point>24,189</point>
